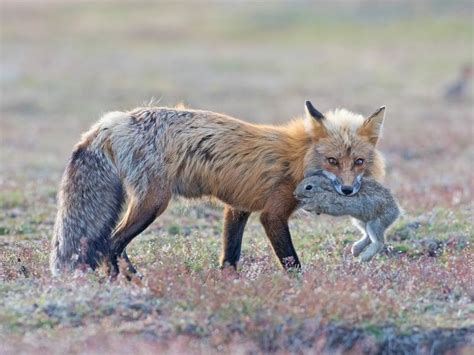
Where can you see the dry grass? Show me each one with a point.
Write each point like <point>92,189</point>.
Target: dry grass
<point>65,64</point>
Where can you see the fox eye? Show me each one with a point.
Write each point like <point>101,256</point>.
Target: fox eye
<point>332,161</point>
<point>359,161</point>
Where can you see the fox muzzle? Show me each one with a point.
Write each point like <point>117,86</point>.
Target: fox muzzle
<point>346,190</point>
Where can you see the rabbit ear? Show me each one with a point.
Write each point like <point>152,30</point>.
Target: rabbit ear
<point>312,172</point>
<point>329,175</point>
<point>372,126</point>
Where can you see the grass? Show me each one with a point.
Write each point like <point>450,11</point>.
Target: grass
<point>407,290</point>
<point>63,65</point>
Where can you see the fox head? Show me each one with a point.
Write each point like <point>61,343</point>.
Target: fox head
<point>345,144</point>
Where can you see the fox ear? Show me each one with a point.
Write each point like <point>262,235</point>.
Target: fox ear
<point>314,121</point>
<point>372,126</point>
<point>312,112</point>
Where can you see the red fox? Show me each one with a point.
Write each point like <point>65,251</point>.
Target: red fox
<point>139,159</point>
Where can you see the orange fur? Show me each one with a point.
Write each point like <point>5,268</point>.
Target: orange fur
<point>247,162</point>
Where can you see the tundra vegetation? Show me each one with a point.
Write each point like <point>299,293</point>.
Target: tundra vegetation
<point>64,64</point>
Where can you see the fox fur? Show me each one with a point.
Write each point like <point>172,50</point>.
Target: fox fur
<point>136,161</point>
<point>373,208</point>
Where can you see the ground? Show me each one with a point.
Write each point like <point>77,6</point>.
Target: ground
<point>63,65</point>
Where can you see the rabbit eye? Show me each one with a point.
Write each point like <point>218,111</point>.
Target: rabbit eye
<point>308,187</point>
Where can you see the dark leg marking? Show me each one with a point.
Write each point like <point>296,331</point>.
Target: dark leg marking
<point>278,233</point>
<point>234,225</point>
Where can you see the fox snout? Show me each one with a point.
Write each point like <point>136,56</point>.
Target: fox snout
<point>340,187</point>
<point>306,190</point>
<point>347,190</point>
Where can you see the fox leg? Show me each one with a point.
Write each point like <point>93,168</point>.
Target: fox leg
<point>274,219</point>
<point>130,267</point>
<point>363,242</point>
<point>139,215</point>
<point>234,224</point>
<point>375,233</point>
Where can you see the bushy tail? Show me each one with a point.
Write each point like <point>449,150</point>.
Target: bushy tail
<point>90,202</point>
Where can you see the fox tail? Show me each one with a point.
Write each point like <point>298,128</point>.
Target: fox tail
<point>90,201</point>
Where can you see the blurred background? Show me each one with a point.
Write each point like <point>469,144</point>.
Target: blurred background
<point>64,64</point>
